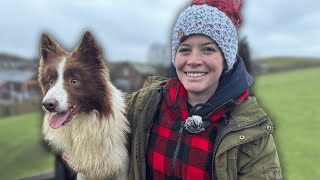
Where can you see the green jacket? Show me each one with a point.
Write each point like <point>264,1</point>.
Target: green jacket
<point>244,147</point>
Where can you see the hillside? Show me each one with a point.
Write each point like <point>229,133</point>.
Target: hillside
<point>292,101</point>
<point>21,152</point>
<point>279,64</point>
<point>13,62</point>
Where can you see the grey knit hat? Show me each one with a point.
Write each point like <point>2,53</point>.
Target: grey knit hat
<point>209,21</point>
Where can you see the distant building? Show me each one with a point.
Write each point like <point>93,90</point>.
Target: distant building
<point>19,85</point>
<point>130,76</point>
<point>18,77</point>
<point>19,93</point>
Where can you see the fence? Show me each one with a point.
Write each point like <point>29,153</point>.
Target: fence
<point>13,107</point>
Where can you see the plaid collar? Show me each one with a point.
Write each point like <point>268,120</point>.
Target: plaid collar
<point>176,97</point>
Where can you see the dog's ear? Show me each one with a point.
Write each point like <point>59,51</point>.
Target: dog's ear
<point>48,47</point>
<point>89,47</point>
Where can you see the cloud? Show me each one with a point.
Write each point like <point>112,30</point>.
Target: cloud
<point>276,28</point>
<point>126,29</point>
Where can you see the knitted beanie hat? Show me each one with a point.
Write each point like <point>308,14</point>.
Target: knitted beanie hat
<point>209,17</point>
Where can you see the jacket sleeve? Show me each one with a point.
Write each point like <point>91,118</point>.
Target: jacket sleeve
<point>135,100</point>
<point>263,165</point>
<point>135,104</point>
<point>131,100</point>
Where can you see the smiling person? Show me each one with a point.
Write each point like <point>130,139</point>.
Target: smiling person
<point>199,64</point>
<point>203,122</point>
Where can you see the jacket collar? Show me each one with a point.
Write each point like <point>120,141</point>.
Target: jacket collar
<point>247,113</point>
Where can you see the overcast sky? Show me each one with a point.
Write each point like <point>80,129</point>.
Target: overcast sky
<point>125,28</point>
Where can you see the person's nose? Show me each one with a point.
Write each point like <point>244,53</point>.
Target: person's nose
<point>195,58</point>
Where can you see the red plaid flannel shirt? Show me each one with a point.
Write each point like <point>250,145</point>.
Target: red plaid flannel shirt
<point>194,152</point>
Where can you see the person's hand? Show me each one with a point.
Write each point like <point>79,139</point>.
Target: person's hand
<point>71,164</point>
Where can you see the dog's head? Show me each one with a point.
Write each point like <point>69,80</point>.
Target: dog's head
<point>73,83</point>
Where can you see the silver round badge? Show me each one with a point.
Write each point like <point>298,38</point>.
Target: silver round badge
<point>194,124</point>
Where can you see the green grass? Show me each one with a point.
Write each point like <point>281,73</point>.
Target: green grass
<point>21,152</point>
<point>293,102</point>
<point>287,61</point>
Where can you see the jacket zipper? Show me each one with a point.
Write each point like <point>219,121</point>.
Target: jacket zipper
<point>176,151</point>
<point>262,120</point>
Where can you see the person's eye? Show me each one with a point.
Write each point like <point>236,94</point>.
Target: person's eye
<point>184,50</point>
<point>209,49</point>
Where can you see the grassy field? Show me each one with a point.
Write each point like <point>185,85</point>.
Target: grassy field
<point>20,151</point>
<point>279,62</point>
<point>293,102</point>
<point>290,98</point>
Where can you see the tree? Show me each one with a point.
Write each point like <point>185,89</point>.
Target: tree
<point>159,54</point>
<point>244,53</point>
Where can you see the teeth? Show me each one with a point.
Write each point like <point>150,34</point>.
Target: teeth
<point>73,107</point>
<point>65,123</point>
<point>194,75</point>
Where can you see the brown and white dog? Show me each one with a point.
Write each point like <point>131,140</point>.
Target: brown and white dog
<point>84,113</point>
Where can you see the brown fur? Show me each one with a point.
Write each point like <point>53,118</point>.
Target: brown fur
<point>95,138</point>
<point>81,62</point>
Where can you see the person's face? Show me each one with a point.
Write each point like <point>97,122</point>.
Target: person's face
<point>199,63</point>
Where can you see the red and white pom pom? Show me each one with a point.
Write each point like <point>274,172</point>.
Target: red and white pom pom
<point>230,7</point>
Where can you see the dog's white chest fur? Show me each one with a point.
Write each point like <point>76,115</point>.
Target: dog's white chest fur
<point>97,146</point>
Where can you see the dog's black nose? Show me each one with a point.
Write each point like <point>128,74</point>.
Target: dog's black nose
<point>50,104</point>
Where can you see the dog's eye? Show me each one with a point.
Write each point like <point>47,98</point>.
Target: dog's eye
<point>74,81</point>
<point>51,81</point>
